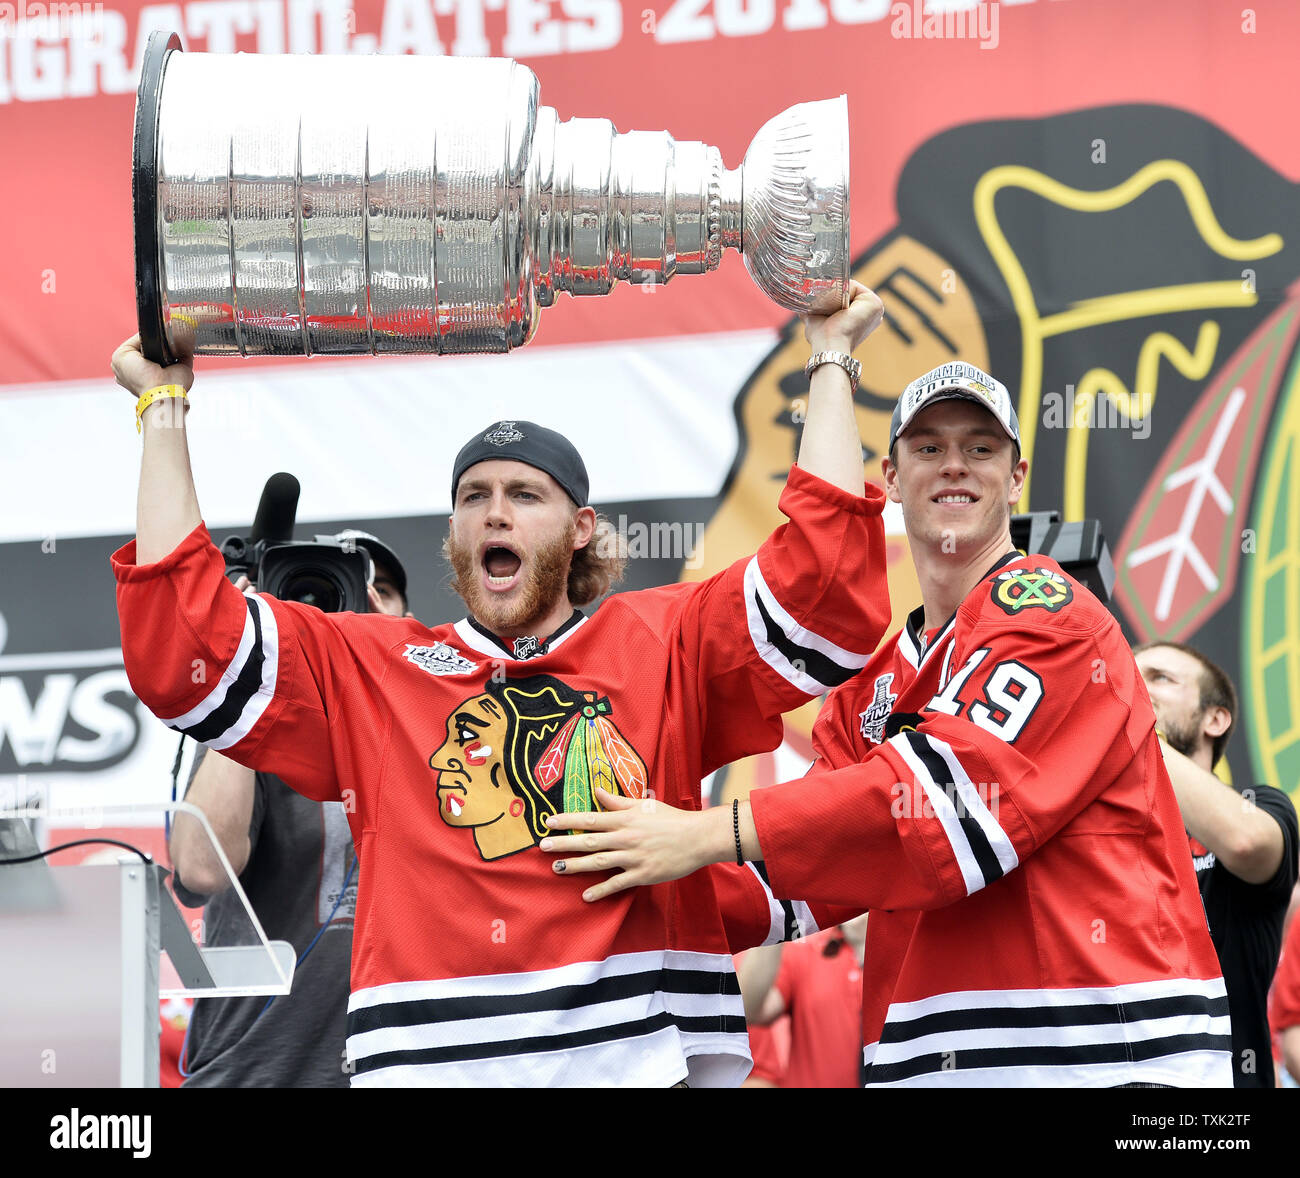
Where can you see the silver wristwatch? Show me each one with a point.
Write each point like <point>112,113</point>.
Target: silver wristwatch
<point>843,359</point>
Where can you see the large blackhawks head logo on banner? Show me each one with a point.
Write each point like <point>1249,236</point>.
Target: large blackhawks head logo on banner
<point>524,750</point>
<point>1143,312</point>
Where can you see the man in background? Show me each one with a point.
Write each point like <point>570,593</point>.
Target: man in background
<point>296,863</point>
<point>1243,841</point>
<point>818,983</point>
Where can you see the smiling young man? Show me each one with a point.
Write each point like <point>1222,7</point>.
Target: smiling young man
<point>473,965</point>
<point>991,788</point>
<point>1243,841</point>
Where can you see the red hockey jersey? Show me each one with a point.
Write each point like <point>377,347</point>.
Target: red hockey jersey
<point>998,799</point>
<point>473,963</point>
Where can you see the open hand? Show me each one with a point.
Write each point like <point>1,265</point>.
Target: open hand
<point>644,840</point>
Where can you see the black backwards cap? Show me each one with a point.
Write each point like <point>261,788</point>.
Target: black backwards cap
<point>523,441</point>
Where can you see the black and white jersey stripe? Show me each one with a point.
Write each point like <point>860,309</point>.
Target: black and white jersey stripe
<point>980,846</point>
<point>792,920</point>
<point>1175,1031</point>
<point>229,711</point>
<point>812,663</point>
<point>632,1019</point>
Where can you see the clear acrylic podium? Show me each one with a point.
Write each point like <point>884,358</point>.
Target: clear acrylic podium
<point>87,951</point>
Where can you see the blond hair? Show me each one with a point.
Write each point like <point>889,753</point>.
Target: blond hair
<point>598,567</point>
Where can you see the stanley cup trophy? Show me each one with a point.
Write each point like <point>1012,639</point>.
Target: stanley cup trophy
<point>304,205</point>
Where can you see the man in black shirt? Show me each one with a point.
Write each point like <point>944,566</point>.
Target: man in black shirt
<point>296,864</point>
<point>1243,841</point>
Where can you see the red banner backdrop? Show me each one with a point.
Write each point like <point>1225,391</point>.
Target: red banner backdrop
<point>703,69</point>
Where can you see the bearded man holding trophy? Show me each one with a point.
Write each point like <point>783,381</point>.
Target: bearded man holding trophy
<point>400,205</point>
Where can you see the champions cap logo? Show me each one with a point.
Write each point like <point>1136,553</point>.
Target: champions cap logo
<point>1019,589</point>
<point>503,434</point>
<point>948,377</point>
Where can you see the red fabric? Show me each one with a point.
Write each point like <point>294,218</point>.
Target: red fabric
<point>1062,877</point>
<point>824,998</point>
<point>1284,998</point>
<point>770,1047</point>
<point>371,710</point>
<point>174,1017</point>
<point>72,99</point>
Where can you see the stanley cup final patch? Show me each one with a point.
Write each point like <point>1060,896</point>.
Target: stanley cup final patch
<point>503,433</point>
<point>439,659</point>
<point>877,713</point>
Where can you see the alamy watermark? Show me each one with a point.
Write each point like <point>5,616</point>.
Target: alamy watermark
<point>910,800</point>
<point>1068,410</point>
<point>928,20</point>
<point>657,540</point>
<point>50,22</point>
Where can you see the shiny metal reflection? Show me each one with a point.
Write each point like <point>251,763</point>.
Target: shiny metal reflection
<point>346,205</point>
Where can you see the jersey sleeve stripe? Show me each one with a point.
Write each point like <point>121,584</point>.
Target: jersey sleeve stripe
<point>968,825</point>
<point>227,714</point>
<point>809,661</point>
<point>974,807</point>
<point>791,919</point>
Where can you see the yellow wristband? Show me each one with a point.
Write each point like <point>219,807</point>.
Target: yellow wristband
<point>149,396</point>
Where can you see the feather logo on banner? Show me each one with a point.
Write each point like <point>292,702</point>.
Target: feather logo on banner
<point>589,751</point>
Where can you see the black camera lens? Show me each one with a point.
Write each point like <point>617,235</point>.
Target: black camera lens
<point>324,575</point>
<point>314,588</point>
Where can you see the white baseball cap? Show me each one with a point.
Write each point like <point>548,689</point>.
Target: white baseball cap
<point>955,381</point>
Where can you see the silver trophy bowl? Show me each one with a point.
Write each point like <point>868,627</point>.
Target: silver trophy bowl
<point>305,205</point>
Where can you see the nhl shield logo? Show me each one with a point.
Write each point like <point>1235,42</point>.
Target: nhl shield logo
<point>529,648</point>
<point>439,659</point>
<point>503,433</point>
<point>877,713</point>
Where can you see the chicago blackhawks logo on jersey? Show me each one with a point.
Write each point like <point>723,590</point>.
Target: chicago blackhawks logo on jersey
<point>1021,589</point>
<point>524,750</point>
<point>877,713</point>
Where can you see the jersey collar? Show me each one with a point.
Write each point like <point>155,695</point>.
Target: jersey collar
<point>478,637</point>
<point>911,640</point>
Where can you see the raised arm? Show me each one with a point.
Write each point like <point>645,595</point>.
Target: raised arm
<point>242,673</point>
<point>167,509</point>
<point>1244,837</point>
<point>805,612</point>
<point>830,446</point>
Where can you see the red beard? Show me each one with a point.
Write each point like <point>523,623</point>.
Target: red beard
<point>545,583</point>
